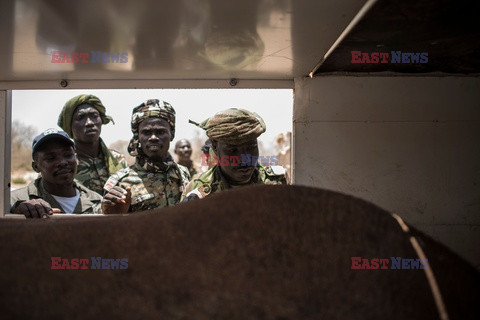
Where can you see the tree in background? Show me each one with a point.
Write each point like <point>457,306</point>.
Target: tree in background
<point>22,136</point>
<point>21,153</point>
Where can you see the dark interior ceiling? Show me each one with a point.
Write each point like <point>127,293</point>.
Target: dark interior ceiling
<point>448,30</point>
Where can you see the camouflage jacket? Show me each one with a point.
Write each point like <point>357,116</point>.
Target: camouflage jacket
<point>213,181</point>
<point>193,170</point>
<point>151,189</point>
<point>93,173</point>
<point>89,202</point>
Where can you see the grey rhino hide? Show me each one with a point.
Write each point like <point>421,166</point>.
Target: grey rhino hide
<point>266,252</point>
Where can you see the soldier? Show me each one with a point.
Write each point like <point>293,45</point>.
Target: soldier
<point>56,191</point>
<point>82,118</point>
<point>155,180</point>
<point>233,134</point>
<point>183,150</point>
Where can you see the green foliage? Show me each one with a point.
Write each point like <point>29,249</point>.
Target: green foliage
<point>19,180</point>
<point>21,146</point>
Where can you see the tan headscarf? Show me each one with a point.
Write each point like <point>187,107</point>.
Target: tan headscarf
<point>233,126</point>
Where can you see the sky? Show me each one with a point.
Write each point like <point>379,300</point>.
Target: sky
<point>40,108</point>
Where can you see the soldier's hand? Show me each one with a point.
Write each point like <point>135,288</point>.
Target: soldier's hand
<point>117,200</point>
<point>36,208</point>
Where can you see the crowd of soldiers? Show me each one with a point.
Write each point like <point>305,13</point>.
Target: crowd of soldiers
<point>79,174</point>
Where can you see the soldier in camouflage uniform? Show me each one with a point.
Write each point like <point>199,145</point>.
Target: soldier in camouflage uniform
<point>82,118</point>
<point>155,180</point>
<point>233,134</point>
<point>183,150</point>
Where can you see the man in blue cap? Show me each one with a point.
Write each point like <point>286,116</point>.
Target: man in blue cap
<point>55,191</point>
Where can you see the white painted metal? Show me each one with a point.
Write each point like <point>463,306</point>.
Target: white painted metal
<point>148,84</point>
<point>408,144</point>
<point>5,126</point>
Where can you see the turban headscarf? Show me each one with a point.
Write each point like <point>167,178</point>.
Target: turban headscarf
<point>66,116</point>
<point>152,108</point>
<point>65,122</point>
<point>233,126</point>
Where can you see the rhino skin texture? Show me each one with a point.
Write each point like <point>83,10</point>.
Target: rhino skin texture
<point>262,252</point>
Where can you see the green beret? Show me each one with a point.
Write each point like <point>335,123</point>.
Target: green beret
<point>66,116</point>
<point>233,126</point>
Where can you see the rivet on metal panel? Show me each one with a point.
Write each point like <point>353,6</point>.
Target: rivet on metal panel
<point>233,82</point>
<point>64,83</point>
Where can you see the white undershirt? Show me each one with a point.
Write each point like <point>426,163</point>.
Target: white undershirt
<point>68,203</point>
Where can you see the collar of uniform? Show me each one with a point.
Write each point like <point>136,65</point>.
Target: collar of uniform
<point>83,189</point>
<point>171,169</point>
<point>86,158</point>
<point>36,189</point>
<point>221,182</point>
<point>88,199</point>
<point>153,166</point>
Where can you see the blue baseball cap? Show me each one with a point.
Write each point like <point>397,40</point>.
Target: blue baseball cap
<point>48,135</point>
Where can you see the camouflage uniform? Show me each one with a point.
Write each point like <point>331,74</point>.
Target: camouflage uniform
<point>232,126</point>
<point>89,202</point>
<point>151,188</point>
<point>153,184</point>
<point>193,170</point>
<point>213,181</point>
<point>94,172</point>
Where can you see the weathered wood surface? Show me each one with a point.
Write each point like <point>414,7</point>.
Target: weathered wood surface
<point>280,252</point>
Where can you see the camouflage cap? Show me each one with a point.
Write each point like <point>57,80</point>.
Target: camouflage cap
<point>66,116</point>
<point>233,126</point>
<point>152,108</point>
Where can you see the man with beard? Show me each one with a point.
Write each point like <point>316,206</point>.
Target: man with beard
<point>155,180</point>
<point>183,150</point>
<point>56,191</point>
<point>234,151</point>
<point>82,118</point>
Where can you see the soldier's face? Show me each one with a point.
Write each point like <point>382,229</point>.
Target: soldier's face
<point>86,124</point>
<point>154,135</point>
<point>236,174</point>
<point>56,162</point>
<point>183,149</point>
